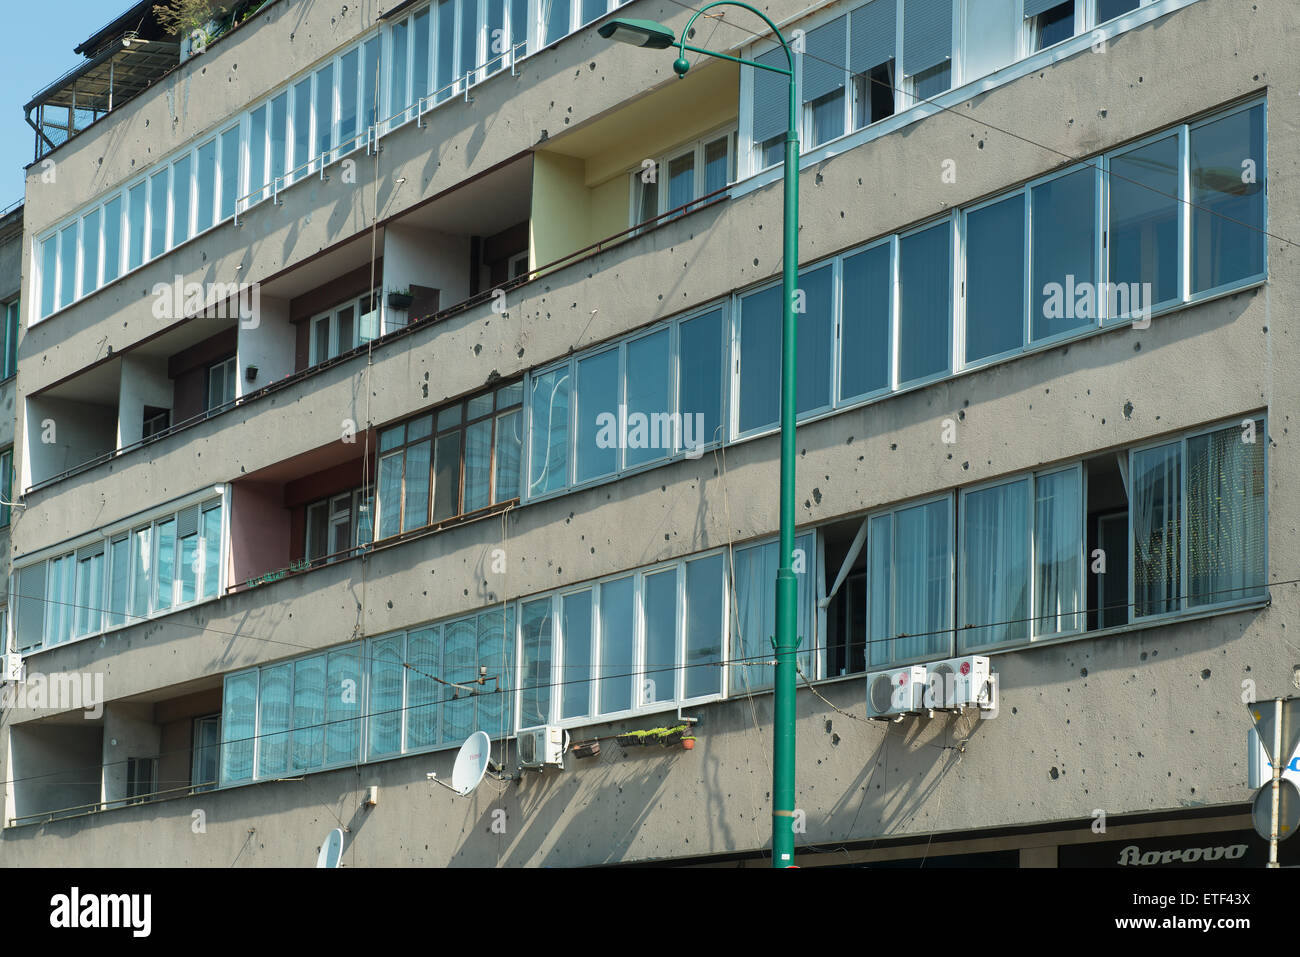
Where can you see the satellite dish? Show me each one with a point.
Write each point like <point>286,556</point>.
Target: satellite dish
<point>471,763</point>
<point>332,850</point>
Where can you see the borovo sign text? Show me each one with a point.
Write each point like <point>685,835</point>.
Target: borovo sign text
<point>1188,855</point>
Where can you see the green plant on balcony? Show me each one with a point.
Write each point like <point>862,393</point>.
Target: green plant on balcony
<point>185,18</point>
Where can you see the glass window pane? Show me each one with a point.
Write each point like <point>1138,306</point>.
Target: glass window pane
<point>397,93</point>
<point>478,465</point>
<point>995,278</point>
<point>536,664</point>
<point>1155,513</point>
<point>509,445</point>
<point>142,571</point>
<point>704,595</point>
<point>29,596</point>
<point>925,303</point>
<point>211,552</point>
<point>229,172</point>
<point>652,432</point>
<point>446,50</point>
<point>518,27</point>
<point>1064,254</point>
<point>910,576</point>
<point>317,531</point>
<point>415,513</point>
<point>496,32</point>
<point>390,495</point>
<point>162,595</point>
<point>576,693</point>
<point>205,198</point>
<point>384,728</point>
<point>449,417</point>
<point>496,653</point>
<point>827,117</point>
<point>348,93</point>
<point>49,274</point>
<point>158,214</point>
<point>1228,177</point>
<point>994,571</point>
<point>459,664</point>
<point>479,406</point>
<point>548,428</point>
<point>343,707</point>
<point>469,26</point>
<point>1226,523</point>
<point>716,170</point>
<point>422,691</point>
<point>180,201</point>
<point>681,180</point>
<point>1054,25</point>
<point>370,73</point>
<point>1058,552</point>
<point>307,748</point>
<point>89,252</point>
<point>89,594</point>
<point>556,19</point>
<point>1109,9</point>
<point>137,198</point>
<point>324,116</point>
<point>617,641</point>
<point>188,567</point>
<point>591,9</point>
<point>1143,228</point>
<point>816,330</point>
<point>279,139</point>
<point>119,560</point>
<point>699,387</point>
<point>68,265</point>
<point>420,52</point>
<point>112,239</point>
<point>301,138</point>
<point>238,724</point>
<point>659,597</point>
<point>753,617</point>
<point>864,338</point>
<point>446,488</point>
<point>760,359</point>
<point>257,171</point>
<point>597,401</point>
<point>274,720</point>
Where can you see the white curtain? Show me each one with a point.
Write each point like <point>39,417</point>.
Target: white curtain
<point>1058,552</point>
<point>1225,516</point>
<point>754,615</point>
<point>1155,507</point>
<point>921,578</point>
<point>995,566</point>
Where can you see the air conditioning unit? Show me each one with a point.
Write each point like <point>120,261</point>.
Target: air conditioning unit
<point>895,693</point>
<point>13,668</point>
<point>542,746</point>
<point>958,683</point>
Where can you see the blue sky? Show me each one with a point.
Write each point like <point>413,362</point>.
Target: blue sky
<point>41,34</point>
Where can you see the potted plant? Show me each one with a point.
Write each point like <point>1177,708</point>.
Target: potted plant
<point>400,299</point>
<point>688,742</point>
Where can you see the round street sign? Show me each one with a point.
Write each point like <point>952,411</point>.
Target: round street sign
<point>1288,812</point>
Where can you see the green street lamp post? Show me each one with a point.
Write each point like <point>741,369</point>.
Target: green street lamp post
<point>647,33</point>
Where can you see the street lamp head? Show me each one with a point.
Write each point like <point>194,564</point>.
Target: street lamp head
<point>639,33</point>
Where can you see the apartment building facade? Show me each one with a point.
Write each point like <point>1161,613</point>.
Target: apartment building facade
<point>395,372</point>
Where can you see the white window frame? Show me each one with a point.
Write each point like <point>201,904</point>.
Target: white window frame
<point>104,538</point>
<point>662,163</point>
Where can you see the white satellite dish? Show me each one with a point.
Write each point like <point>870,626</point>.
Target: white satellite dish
<point>471,764</point>
<point>332,850</point>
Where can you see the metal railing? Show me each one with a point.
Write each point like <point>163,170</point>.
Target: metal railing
<point>412,325</point>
